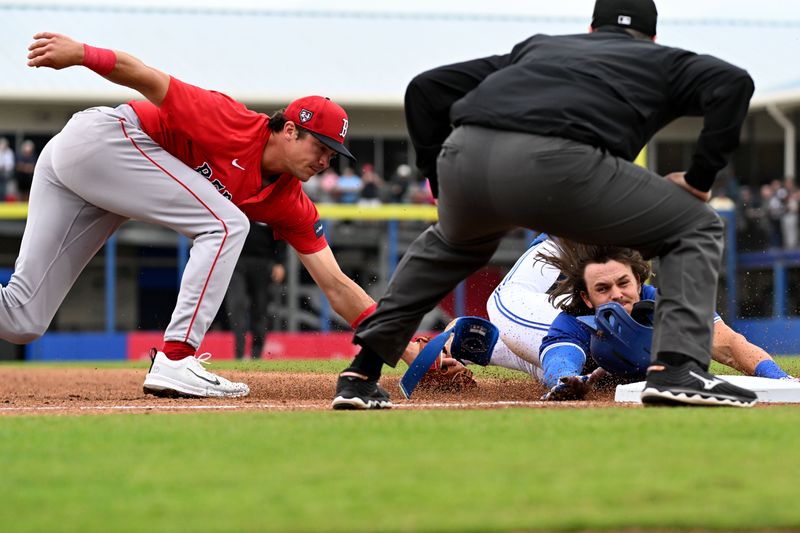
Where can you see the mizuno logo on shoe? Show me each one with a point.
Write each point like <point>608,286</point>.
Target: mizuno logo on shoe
<point>708,384</point>
<point>214,382</point>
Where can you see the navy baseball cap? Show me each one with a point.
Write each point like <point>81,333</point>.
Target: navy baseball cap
<point>323,118</point>
<point>640,15</point>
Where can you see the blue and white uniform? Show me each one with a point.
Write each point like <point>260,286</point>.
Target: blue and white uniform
<point>520,310</point>
<point>532,330</point>
<point>564,349</point>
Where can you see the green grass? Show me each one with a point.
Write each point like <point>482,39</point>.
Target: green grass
<point>789,363</point>
<point>500,470</point>
<point>440,470</point>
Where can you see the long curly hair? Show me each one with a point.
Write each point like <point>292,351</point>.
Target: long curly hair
<point>572,258</point>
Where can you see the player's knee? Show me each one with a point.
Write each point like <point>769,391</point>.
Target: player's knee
<point>25,335</point>
<point>234,228</point>
<point>238,226</point>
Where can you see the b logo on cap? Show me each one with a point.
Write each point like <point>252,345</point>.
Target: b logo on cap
<point>305,115</point>
<point>344,128</point>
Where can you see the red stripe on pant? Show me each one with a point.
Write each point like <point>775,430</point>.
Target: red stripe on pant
<point>224,226</point>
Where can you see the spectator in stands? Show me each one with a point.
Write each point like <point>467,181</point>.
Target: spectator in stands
<point>349,186</point>
<point>775,208</point>
<point>721,201</point>
<point>313,188</point>
<point>26,161</point>
<point>329,181</point>
<point>789,219</point>
<point>371,186</point>
<point>248,297</point>
<point>420,192</point>
<point>6,167</point>
<point>399,184</point>
<point>322,188</point>
<point>771,207</point>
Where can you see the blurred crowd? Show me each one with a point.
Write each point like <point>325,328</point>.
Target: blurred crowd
<point>766,217</point>
<point>16,170</point>
<point>368,188</point>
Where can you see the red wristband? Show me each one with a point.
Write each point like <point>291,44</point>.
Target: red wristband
<point>100,60</point>
<point>364,314</point>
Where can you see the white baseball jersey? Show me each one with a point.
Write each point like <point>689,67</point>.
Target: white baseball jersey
<point>519,307</point>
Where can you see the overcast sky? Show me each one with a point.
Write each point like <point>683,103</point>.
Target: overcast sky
<point>762,36</point>
<point>749,10</point>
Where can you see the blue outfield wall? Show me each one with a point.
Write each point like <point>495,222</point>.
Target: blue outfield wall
<point>778,336</point>
<point>78,347</point>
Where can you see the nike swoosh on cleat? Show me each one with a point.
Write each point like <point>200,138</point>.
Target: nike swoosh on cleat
<point>235,163</point>
<point>215,382</point>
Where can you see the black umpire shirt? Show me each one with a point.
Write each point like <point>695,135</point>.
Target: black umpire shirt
<point>605,89</point>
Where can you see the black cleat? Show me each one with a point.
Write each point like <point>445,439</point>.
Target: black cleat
<point>356,393</point>
<point>688,384</point>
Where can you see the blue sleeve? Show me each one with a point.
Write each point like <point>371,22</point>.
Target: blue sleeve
<point>566,329</point>
<point>649,292</point>
<point>563,350</point>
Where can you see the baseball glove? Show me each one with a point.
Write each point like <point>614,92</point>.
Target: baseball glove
<point>446,374</point>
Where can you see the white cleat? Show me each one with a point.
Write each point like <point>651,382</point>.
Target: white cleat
<point>188,377</point>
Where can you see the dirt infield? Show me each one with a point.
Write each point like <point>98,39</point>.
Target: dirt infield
<point>27,391</point>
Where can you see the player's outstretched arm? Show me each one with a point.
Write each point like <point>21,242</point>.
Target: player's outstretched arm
<point>58,51</point>
<point>346,297</point>
<point>734,350</point>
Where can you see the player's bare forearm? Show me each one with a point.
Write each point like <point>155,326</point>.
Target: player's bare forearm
<point>56,51</point>
<point>734,350</point>
<point>131,72</point>
<point>348,299</point>
<point>345,296</point>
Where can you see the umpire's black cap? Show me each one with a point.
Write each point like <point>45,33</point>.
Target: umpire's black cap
<point>640,15</point>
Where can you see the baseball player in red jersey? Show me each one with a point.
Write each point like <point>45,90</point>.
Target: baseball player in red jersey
<point>189,159</point>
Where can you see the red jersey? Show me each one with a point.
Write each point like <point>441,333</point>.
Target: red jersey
<point>224,141</point>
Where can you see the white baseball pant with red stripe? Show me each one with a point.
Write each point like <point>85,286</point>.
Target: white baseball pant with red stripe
<point>98,172</point>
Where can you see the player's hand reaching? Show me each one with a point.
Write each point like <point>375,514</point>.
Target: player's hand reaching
<point>55,51</point>
<point>679,179</point>
<point>574,387</point>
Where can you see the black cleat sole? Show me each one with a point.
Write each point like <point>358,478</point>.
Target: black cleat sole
<point>658,398</point>
<point>357,404</point>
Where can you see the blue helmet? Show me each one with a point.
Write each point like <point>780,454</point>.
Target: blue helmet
<point>621,342</point>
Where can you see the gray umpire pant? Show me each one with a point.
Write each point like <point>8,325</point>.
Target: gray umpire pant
<point>492,181</point>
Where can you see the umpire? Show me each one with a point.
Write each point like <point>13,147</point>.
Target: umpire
<point>544,138</point>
